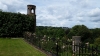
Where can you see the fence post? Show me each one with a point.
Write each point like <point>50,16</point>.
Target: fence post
<point>82,49</point>
<point>73,48</point>
<point>92,51</point>
<point>96,49</point>
<point>85,48</point>
<point>57,48</point>
<point>79,48</point>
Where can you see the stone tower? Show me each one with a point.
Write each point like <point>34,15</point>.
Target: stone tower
<point>31,12</point>
<point>31,9</point>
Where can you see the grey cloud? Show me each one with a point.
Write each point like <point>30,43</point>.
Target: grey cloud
<point>62,13</point>
<point>14,5</point>
<point>94,12</point>
<point>82,20</point>
<point>57,13</point>
<point>45,22</point>
<point>3,6</point>
<point>80,3</point>
<point>95,19</point>
<point>69,18</point>
<point>94,15</point>
<point>67,13</point>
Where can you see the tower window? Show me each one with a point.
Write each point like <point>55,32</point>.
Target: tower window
<point>32,11</point>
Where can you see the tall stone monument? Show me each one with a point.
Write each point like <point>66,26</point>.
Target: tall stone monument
<point>31,11</point>
<point>76,40</point>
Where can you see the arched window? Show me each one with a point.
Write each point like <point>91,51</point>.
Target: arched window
<point>32,10</point>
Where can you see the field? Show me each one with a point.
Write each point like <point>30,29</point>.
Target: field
<point>17,47</point>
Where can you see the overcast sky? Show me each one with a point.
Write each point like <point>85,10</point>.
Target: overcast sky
<point>59,13</point>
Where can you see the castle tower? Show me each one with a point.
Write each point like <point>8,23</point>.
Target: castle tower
<point>31,12</point>
<point>31,9</point>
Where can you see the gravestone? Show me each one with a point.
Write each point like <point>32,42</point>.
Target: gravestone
<point>76,40</point>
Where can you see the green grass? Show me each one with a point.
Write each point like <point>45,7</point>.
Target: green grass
<point>17,47</point>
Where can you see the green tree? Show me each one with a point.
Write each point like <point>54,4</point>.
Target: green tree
<point>80,30</point>
<point>95,32</point>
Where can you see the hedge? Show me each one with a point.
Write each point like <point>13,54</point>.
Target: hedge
<point>14,24</point>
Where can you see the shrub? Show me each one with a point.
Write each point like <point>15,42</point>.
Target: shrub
<point>97,41</point>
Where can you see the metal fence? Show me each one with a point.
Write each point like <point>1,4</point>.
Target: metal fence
<point>86,50</point>
<point>56,47</point>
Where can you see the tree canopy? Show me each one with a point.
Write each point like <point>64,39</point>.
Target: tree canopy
<point>80,30</point>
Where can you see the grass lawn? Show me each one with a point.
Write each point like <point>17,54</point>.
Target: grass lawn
<point>17,47</point>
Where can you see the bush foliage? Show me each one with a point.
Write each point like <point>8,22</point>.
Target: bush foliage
<point>88,35</point>
<point>14,24</point>
<point>97,41</point>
